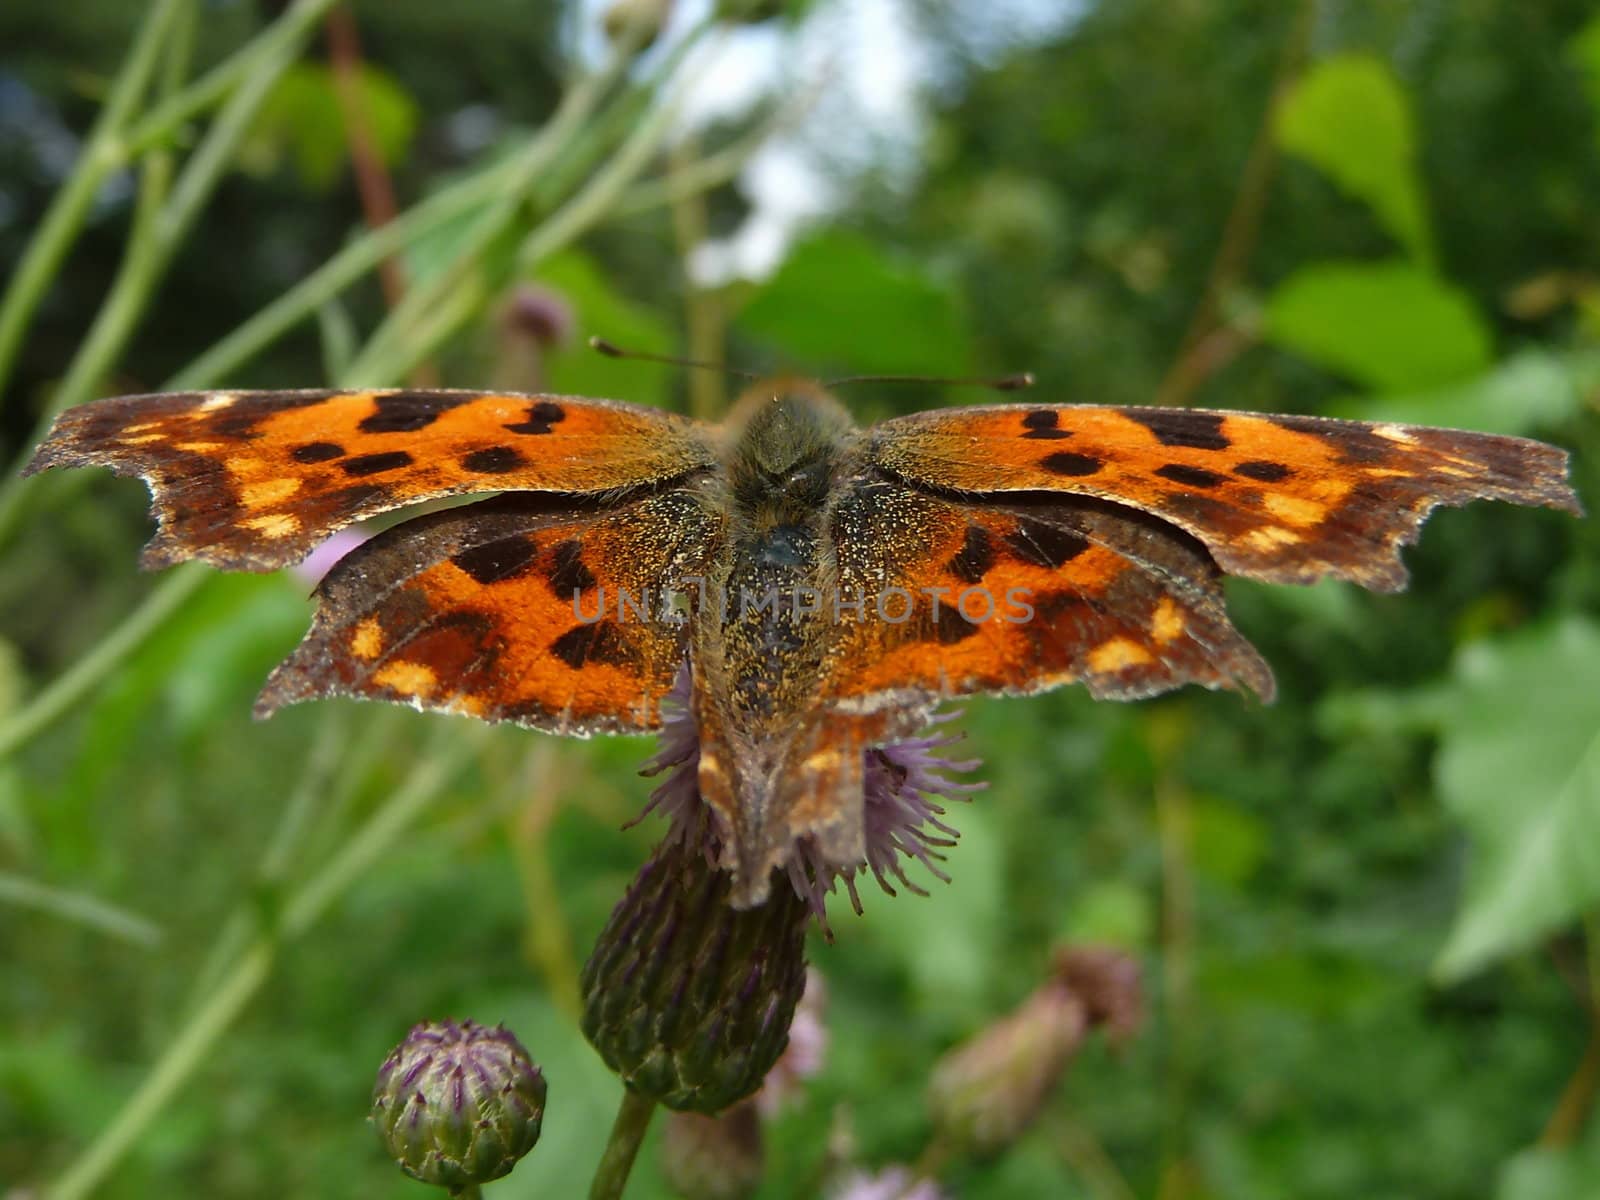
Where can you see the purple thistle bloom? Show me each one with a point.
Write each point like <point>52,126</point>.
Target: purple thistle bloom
<point>906,787</point>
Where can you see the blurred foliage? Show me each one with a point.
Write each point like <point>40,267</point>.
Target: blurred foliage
<point>1367,912</point>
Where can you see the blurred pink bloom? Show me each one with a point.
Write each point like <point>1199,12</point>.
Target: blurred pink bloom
<point>323,559</point>
<point>891,1183</point>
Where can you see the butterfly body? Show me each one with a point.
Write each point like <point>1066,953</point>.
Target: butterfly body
<point>828,585</point>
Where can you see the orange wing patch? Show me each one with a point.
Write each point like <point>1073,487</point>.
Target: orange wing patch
<point>510,610</point>
<point>254,480</point>
<point>1025,596</point>
<point>1278,498</point>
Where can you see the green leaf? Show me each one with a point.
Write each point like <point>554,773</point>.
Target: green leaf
<point>1532,390</point>
<point>838,299</point>
<point>302,118</point>
<point>1547,1173</point>
<point>1349,117</point>
<point>1389,325</point>
<point>1524,779</point>
<point>600,309</point>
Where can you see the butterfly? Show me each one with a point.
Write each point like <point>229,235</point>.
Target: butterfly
<point>829,585</point>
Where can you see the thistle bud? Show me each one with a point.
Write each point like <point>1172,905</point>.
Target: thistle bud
<point>714,1158</point>
<point>457,1104</point>
<point>650,15</point>
<point>985,1093</point>
<point>686,998</point>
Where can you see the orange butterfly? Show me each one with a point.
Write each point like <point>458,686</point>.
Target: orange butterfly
<point>829,584</point>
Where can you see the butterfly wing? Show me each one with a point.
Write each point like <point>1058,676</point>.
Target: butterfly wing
<point>1278,498</point>
<point>254,480</point>
<point>1022,595</point>
<point>510,609</point>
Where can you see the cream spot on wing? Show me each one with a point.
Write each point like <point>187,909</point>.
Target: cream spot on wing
<point>1270,537</point>
<point>273,525</point>
<point>217,400</point>
<point>1117,655</point>
<point>1394,433</point>
<point>407,678</point>
<point>367,641</point>
<point>142,439</point>
<point>1167,621</point>
<point>1294,509</point>
<point>258,495</point>
<point>141,427</point>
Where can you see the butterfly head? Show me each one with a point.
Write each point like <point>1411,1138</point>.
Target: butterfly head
<point>786,438</point>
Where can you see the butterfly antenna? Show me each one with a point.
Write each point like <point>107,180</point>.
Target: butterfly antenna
<point>1003,383</point>
<point>611,350</point>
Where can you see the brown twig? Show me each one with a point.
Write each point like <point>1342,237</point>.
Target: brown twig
<point>1208,345</point>
<point>373,181</point>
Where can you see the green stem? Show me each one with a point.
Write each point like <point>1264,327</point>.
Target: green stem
<point>157,236</point>
<point>81,678</point>
<point>222,1007</point>
<point>393,340</point>
<point>102,154</point>
<point>627,1135</point>
<point>76,906</point>
<point>338,273</point>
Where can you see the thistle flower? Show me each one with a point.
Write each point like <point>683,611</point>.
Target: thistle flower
<point>687,998</point>
<point>906,787</point>
<point>457,1104</point>
<point>714,1158</point>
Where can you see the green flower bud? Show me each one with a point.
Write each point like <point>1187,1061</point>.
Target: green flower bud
<point>714,1158</point>
<point>650,15</point>
<point>457,1104</point>
<point>686,998</point>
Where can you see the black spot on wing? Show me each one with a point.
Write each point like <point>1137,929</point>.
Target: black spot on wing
<point>1189,476</point>
<point>1066,463</point>
<point>1263,471</point>
<point>567,573</point>
<point>406,412</point>
<point>542,414</point>
<point>1044,545</point>
<point>375,464</point>
<point>947,626</point>
<point>1041,426</point>
<point>495,561</point>
<point>316,452</point>
<point>493,460</point>
<point>1180,427</point>
<point>972,562</point>
<point>601,642</point>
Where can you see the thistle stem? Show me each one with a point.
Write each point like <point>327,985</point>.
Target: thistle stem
<point>627,1135</point>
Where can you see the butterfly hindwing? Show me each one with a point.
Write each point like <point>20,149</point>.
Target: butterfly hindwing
<point>254,480</point>
<point>1279,498</point>
<point>508,610</point>
<point>1024,595</point>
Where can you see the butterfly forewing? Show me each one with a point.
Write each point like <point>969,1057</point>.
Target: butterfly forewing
<point>1278,498</point>
<point>254,480</point>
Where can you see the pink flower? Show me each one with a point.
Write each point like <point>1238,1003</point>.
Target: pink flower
<point>891,1183</point>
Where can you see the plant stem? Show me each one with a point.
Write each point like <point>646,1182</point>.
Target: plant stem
<point>102,154</point>
<point>84,909</point>
<point>157,235</point>
<point>217,1013</point>
<point>627,1135</point>
<point>108,653</point>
